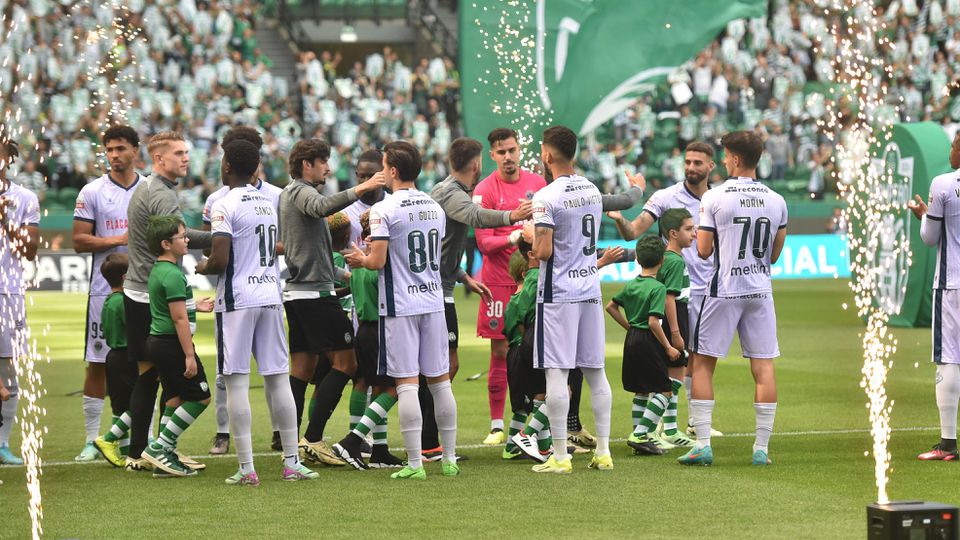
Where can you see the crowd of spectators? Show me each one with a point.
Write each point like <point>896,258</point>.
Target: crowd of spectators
<point>195,66</point>
<point>773,75</point>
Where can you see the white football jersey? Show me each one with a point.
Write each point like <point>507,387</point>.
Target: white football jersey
<point>571,206</point>
<point>945,210</point>
<point>251,278</point>
<point>678,196</point>
<point>413,224</point>
<point>744,216</point>
<point>23,210</point>
<point>267,189</point>
<point>103,202</point>
<point>353,212</point>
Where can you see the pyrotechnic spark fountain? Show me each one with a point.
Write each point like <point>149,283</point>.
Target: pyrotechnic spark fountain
<point>514,46</point>
<point>870,194</point>
<point>25,356</point>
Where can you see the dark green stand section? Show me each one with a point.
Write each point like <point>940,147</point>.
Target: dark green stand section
<point>927,145</point>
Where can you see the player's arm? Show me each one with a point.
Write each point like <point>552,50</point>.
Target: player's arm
<point>181,322</point>
<point>216,261</point>
<point>705,237</point>
<point>313,203</point>
<point>25,239</point>
<point>613,309</point>
<point>205,227</point>
<point>474,286</point>
<point>631,230</point>
<point>670,312</point>
<point>458,207</point>
<point>930,218</point>
<point>657,329</point>
<point>778,242</point>
<point>610,255</point>
<point>542,242</point>
<point>627,199</point>
<point>84,240</point>
<point>376,259</point>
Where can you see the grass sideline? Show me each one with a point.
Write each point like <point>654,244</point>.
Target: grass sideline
<point>818,487</point>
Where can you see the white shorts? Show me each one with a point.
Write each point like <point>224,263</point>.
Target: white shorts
<point>693,312</point>
<point>255,331</point>
<point>13,318</point>
<point>414,345</point>
<point>753,318</point>
<point>96,344</point>
<point>946,326</point>
<point>569,335</point>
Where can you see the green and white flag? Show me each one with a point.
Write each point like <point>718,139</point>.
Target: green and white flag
<point>528,64</point>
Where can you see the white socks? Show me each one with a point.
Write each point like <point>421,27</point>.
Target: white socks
<point>238,408</point>
<point>9,411</point>
<point>496,424</point>
<point>220,402</point>
<point>602,401</point>
<point>445,411</point>
<point>558,405</point>
<point>411,422</point>
<point>9,408</point>
<point>283,413</point>
<point>92,410</point>
<point>765,414</point>
<point>948,393</point>
<point>701,410</point>
<point>688,387</point>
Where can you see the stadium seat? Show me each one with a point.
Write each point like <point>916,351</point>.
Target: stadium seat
<point>67,197</point>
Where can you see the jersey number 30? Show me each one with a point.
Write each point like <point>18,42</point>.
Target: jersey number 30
<point>423,250</point>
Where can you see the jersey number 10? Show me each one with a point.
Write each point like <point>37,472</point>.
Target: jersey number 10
<point>268,244</point>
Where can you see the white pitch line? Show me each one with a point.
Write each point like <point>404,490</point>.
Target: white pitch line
<point>481,446</point>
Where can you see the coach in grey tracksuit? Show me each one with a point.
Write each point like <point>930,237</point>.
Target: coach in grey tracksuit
<point>157,197</point>
<point>317,323</point>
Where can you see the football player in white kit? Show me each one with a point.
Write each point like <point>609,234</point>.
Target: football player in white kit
<point>698,163</point>
<point>221,441</point>
<point>405,232</point>
<point>249,312</point>
<point>100,228</point>
<point>940,228</point>
<point>569,330</point>
<point>743,225</point>
<point>20,218</point>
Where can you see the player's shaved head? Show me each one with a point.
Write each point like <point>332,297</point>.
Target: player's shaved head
<point>650,251</point>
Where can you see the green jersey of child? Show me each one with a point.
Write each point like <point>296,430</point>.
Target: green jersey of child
<point>365,290</point>
<point>641,298</point>
<point>168,284</point>
<point>673,274</point>
<point>113,321</point>
<point>521,308</point>
<point>346,302</point>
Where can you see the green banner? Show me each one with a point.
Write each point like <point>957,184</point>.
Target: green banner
<point>529,64</point>
<point>912,156</point>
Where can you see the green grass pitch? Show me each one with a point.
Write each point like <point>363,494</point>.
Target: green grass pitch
<point>818,487</point>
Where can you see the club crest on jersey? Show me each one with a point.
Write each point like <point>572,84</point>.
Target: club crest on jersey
<point>98,345</point>
<point>204,386</point>
<point>494,323</point>
<point>347,338</point>
<point>451,337</point>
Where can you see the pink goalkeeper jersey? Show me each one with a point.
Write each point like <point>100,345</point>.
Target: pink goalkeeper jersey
<point>494,245</point>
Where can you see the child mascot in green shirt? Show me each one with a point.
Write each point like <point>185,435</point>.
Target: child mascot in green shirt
<point>170,344</point>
